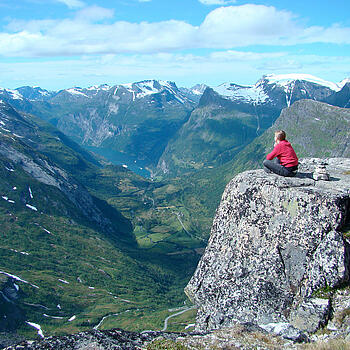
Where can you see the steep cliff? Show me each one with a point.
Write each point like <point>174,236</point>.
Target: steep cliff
<point>275,244</point>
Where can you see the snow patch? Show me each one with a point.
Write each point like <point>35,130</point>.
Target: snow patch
<point>75,91</point>
<point>7,130</point>
<point>63,281</point>
<point>18,279</point>
<point>125,300</point>
<point>103,87</point>
<point>38,327</point>
<point>31,207</point>
<point>7,199</point>
<point>190,325</point>
<point>16,251</point>
<point>54,317</point>
<point>249,94</point>
<point>14,94</point>
<point>150,87</point>
<point>196,92</point>
<point>30,192</point>
<point>145,88</point>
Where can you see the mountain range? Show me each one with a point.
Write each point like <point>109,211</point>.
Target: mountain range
<point>173,132</point>
<point>166,127</point>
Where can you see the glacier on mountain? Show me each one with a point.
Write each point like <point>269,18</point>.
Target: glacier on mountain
<point>286,79</point>
<point>14,94</point>
<point>76,91</point>
<point>249,94</point>
<point>150,87</point>
<point>258,93</point>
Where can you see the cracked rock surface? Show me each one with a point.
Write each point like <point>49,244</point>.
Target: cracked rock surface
<point>274,243</point>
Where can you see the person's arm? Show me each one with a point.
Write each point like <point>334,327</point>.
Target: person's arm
<point>274,153</point>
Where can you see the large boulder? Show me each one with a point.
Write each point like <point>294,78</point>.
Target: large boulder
<point>275,244</point>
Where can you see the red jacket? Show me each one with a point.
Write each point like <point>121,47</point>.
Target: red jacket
<point>285,153</point>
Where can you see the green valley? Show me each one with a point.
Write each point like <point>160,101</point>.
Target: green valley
<point>65,236</point>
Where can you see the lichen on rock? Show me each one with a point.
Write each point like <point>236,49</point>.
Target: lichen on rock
<point>274,242</point>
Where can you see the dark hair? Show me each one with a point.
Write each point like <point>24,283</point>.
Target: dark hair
<point>280,134</point>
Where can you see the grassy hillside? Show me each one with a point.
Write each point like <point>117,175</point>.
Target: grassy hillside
<point>315,129</point>
<point>81,269</point>
<point>211,136</point>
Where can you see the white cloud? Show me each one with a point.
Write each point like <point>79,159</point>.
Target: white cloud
<point>72,3</point>
<point>94,14</point>
<point>92,31</point>
<point>247,25</point>
<point>217,2</point>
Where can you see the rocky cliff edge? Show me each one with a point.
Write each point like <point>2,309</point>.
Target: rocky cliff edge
<point>278,252</point>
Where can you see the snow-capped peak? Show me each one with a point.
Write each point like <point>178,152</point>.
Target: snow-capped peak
<point>76,91</point>
<point>14,94</point>
<point>150,87</point>
<point>344,82</point>
<point>34,93</point>
<point>147,87</point>
<point>250,94</point>
<point>198,89</point>
<point>286,79</point>
<point>103,87</point>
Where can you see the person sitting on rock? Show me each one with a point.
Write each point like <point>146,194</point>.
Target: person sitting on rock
<point>286,160</point>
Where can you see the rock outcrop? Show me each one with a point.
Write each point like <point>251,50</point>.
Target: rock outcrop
<point>11,316</point>
<point>276,244</point>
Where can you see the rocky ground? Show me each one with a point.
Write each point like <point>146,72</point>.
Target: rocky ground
<point>241,336</point>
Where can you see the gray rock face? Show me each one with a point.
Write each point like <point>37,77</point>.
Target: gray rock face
<point>274,242</point>
<point>11,315</point>
<point>51,175</point>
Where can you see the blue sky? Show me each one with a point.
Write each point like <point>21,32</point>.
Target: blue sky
<point>58,44</point>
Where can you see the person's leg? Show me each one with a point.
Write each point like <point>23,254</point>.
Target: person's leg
<point>293,170</point>
<point>276,167</point>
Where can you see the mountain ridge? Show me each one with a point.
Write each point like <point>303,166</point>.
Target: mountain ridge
<point>147,119</point>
